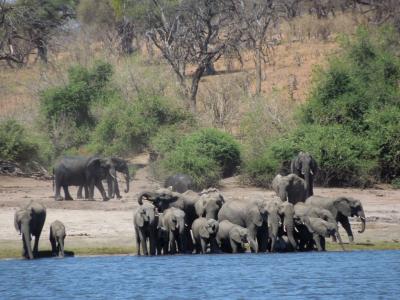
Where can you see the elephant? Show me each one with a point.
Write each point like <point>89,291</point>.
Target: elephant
<point>174,224</point>
<point>305,166</point>
<point>287,214</point>
<point>290,188</point>
<point>180,183</point>
<point>164,198</point>
<point>29,220</point>
<point>204,231</point>
<point>80,171</point>
<point>259,216</point>
<point>162,236</point>
<point>57,237</point>
<point>318,230</point>
<point>232,238</point>
<point>145,223</point>
<point>341,208</point>
<point>209,204</point>
<point>112,166</point>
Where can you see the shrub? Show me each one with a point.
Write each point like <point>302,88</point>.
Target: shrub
<point>206,155</point>
<point>15,145</point>
<point>128,126</point>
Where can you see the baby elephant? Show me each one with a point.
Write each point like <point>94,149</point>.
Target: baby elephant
<point>204,232</point>
<point>57,236</point>
<point>231,238</point>
<point>320,229</point>
<point>145,223</point>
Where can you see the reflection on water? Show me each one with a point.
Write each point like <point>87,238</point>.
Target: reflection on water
<point>330,275</point>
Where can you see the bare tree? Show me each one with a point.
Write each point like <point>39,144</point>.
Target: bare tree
<point>382,11</point>
<point>257,17</point>
<point>192,33</point>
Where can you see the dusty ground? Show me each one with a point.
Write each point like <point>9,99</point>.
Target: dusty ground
<point>97,224</point>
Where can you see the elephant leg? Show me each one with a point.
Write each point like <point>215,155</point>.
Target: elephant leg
<point>172,243</point>
<point>203,245</point>
<point>233,246</point>
<point>110,187</point>
<point>100,187</point>
<point>79,194</point>
<point>153,242</point>
<point>143,241</point>
<point>117,192</point>
<point>66,193</point>
<point>137,241</point>
<point>91,190</point>
<point>36,245</point>
<point>24,248</point>
<point>53,246</point>
<point>346,225</point>
<point>262,239</point>
<point>317,240</point>
<point>57,196</point>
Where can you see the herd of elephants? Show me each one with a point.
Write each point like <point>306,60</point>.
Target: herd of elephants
<point>176,219</point>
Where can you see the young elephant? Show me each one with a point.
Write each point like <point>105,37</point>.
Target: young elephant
<point>162,236</point>
<point>29,221</point>
<point>57,236</point>
<point>319,229</point>
<point>231,238</point>
<point>174,224</point>
<point>204,231</point>
<point>145,223</point>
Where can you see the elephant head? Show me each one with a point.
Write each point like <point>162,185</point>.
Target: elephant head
<point>239,235</point>
<point>22,220</point>
<point>145,215</point>
<point>305,166</point>
<point>209,229</point>
<point>286,211</point>
<point>209,204</point>
<point>351,207</point>
<point>319,226</point>
<point>161,198</point>
<point>117,164</point>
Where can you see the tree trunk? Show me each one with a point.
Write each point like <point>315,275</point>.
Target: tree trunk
<point>194,88</point>
<point>42,50</point>
<point>258,70</point>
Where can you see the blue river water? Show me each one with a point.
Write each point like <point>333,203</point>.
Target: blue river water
<point>329,275</point>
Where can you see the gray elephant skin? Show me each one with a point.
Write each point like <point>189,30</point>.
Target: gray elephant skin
<point>290,188</point>
<point>80,171</point>
<point>165,198</point>
<point>57,237</point>
<point>259,216</point>
<point>306,167</point>
<point>287,214</point>
<point>145,223</point>
<point>341,208</point>
<point>204,232</point>
<point>112,165</point>
<point>174,224</point>
<point>180,183</point>
<point>29,222</point>
<point>232,238</point>
<point>318,229</point>
<point>162,236</point>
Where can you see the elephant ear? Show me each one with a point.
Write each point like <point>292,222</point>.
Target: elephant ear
<point>93,164</point>
<point>234,234</point>
<point>255,217</point>
<point>307,223</point>
<point>17,221</point>
<point>139,218</point>
<point>295,164</point>
<point>204,232</point>
<point>200,206</point>
<point>342,205</point>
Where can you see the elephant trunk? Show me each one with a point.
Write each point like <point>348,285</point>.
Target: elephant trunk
<point>26,236</point>
<point>339,238</point>
<point>289,227</point>
<point>149,195</point>
<point>127,178</point>
<point>273,220</point>
<point>361,214</point>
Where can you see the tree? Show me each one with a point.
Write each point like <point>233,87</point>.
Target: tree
<point>257,16</point>
<point>192,33</point>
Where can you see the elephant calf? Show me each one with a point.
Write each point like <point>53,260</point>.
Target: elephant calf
<point>162,236</point>
<point>204,231</point>
<point>145,223</point>
<point>231,238</point>
<point>57,237</point>
<point>29,221</point>
<point>174,224</point>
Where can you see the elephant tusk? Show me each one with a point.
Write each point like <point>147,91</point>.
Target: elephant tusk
<point>295,229</point>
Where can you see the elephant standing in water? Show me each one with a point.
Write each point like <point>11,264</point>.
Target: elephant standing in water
<point>341,208</point>
<point>204,231</point>
<point>29,221</point>
<point>180,183</point>
<point>174,224</point>
<point>259,216</point>
<point>80,171</point>
<point>145,223</point>
<point>57,237</point>
<point>305,166</point>
<point>290,188</point>
<point>111,167</point>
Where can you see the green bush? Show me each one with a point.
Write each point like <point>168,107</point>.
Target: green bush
<point>206,155</point>
<point>15,145</point>
<point>73,100</point>
<point>351,122</point>
<point>128,126</point>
